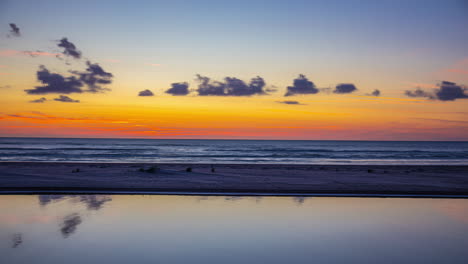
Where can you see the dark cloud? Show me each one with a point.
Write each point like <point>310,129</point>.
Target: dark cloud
<point>94,77</point>
<point>418,92</point>
<point>207,87</point>
<point>447,91</point>
<point>178,89</point>
<point>301,85</point>
<point>65,99</point>
<point>289,102</point>
<point>14,30</point>
<point>69,48</point>
<point>345,88</point>
<point>237,87</point>
<point>145,93</point>
<point>40,100</point>
<point>230,87</point>
<point>55,83</point>
<point>376,92</point>
<point>69,224</point>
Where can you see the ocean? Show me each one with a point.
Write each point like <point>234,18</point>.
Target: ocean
<point>234,151</point>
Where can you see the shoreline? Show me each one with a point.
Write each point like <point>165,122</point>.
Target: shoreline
<point>429,181</point>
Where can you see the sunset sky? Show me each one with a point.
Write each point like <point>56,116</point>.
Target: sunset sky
<point>321,70</point>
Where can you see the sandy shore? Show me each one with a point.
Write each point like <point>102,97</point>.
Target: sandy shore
<point>301,179</point>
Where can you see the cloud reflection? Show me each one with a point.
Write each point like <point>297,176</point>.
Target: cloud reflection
<point>299,200</point>
<point>17,239</point>
<point>70,222</point>
<point>92,202</point>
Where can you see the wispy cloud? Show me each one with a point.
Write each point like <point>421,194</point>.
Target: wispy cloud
<point>153,64</point>
<point>442,120</point>
<point>66,99</point>
<point>289,102</point>
<point>40,100</point>
<point>38,53</point>
<point>459,67</point>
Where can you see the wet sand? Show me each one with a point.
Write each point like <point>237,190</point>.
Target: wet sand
<point>34,177</point>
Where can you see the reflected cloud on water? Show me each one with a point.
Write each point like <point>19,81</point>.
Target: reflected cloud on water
<point>70,222</point>
<point>92,202</point>
<point>299,200</point>
<point>16,239</point>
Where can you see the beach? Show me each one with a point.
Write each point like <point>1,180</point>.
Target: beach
<point>31,177</point>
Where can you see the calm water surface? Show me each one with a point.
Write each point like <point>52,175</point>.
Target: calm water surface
<point>192,229</point>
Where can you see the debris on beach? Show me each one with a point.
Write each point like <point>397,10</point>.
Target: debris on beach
<point>189,169</point>
<point>152,169</point>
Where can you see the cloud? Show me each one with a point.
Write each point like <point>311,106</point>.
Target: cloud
<point>5,86</point>
<point>376,92</point>
<point>55,83</point>
<point>153,64</point>
<point>66,99</point>
<point>345,88</point>
<point>37,53</point>
<point>145,93</point>
<point>94,77</point>
<point>289,102</point>
<point>238,87</point>
<point>461,71</point>
<point>207,87</point>
<point>301,85</point>
<point>179,89</point>
<point>40,100</point>
<point>418,93</point>
<point>69,48</point>
<point>14,30</point>
<point>450,91</point>
<point>447,91</point>
<point>230,87</point>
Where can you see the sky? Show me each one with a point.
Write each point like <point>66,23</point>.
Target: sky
<point>314,70</point>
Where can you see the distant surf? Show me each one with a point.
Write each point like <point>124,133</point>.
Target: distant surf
<point>234,151</point>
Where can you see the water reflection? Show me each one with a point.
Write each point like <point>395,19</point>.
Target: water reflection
<point>92,202</point>
<point>70,222</point>
<point>16,239</point>
<point>299,200</point>
<point>219,229</point>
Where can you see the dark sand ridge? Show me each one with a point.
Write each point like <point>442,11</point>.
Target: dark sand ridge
<point>237,178</point>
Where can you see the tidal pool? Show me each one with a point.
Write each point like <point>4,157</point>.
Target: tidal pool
<point>219,229</point>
